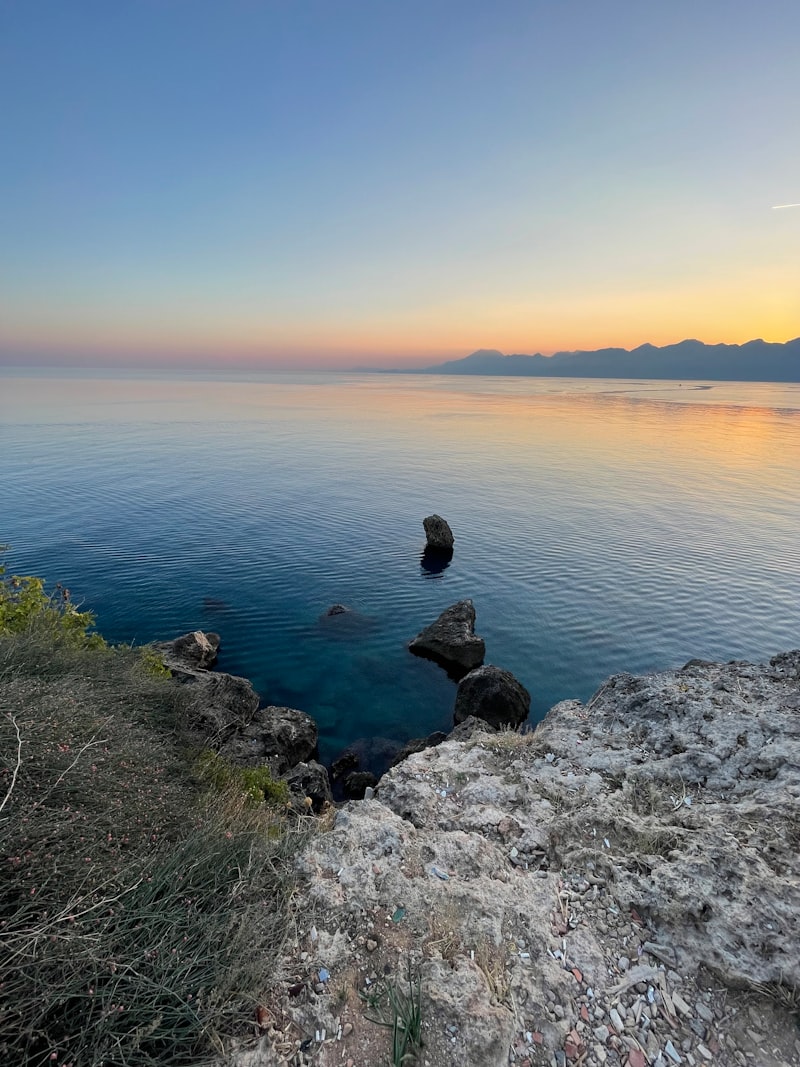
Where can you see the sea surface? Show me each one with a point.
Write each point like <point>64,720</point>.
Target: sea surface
<point>601,526</point>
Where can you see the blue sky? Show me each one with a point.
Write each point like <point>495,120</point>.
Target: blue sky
<point>327,183</point>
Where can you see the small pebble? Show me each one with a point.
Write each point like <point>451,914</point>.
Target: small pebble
<point>704,1012</point>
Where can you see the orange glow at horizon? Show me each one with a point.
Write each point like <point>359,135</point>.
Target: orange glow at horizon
<point>557,322</point>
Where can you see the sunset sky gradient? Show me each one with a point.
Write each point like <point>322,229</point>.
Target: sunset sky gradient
<point>309,183</point>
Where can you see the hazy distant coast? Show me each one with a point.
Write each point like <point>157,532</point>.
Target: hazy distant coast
<point>754,361</point>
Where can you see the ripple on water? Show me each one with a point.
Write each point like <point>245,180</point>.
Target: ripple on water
<point>595,531</point>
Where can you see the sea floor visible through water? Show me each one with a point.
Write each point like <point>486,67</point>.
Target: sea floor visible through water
<point>601,526</point>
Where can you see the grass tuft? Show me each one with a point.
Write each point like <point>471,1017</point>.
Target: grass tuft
<point>397,1005</point>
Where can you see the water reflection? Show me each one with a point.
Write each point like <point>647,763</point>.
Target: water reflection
<point>435,561</point>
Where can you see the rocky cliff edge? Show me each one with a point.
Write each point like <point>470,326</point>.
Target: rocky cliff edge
<point>620,886</point>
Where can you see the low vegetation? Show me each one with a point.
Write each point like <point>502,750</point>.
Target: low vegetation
<point>142,904</point>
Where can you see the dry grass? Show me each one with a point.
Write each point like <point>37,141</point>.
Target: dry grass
<point>511,742</point>
<point>139,917</point>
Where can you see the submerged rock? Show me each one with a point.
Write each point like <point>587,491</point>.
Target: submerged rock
<point>438,534</point>
<point>336,609</point>
<point>493,694</point>
<point>451,639</point>
<point>285,736</point>
<point>341,622</point>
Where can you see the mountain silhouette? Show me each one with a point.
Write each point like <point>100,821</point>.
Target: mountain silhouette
<point>754,361</point>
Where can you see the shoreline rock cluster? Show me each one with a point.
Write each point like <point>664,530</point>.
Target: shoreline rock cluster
<point>226,714</point>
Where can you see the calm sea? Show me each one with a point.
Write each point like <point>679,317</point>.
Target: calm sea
<point>600,526</point>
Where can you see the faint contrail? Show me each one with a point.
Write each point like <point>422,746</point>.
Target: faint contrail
<point>780,207</point>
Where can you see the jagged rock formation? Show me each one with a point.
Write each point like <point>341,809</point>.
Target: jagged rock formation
<point>451,639</point>
<point>280,736</point>
<point>438,534</point>
<point>597,891</point>
<point>193,651</point>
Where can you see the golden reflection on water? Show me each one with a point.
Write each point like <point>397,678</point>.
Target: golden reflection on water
<point>588,424</point>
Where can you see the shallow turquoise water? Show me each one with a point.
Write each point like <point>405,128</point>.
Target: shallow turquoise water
<point>600,526</point>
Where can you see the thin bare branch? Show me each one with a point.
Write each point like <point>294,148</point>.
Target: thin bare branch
<point>10,789</point>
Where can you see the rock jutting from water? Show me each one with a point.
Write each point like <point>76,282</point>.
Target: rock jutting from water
<point>620,885</point>
<point>438,534</point>
<point>451,639</point>
<point>493,694</point>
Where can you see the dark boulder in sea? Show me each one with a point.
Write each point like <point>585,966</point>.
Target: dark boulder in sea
<point>283,736</point>
<point>344,764</point>
<point>493,694</point>
<point>438,533</point>
<point>196,651</point>
<point>337,609</point>
<point>451,640</point>
<point>343,623</point>
<point>309,781</point>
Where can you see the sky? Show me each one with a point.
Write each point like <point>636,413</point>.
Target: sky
<point>327,183</point>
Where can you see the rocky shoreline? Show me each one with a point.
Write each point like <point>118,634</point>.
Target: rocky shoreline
<point>620,887</point>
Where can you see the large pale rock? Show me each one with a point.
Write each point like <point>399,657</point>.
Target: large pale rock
<point>493,694</point>
<point>438,534</point>
<point>451,639</point>
<point>281,736</point>
<point>190,652</point>
<point>658,823</point>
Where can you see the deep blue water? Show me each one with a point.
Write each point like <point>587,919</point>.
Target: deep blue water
<point>600,526</point>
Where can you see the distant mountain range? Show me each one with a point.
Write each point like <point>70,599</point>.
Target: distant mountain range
<point>755,361</point>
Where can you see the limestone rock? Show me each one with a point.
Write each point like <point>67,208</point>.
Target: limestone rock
<point>451,639</point>
<point>192,651</point>
<point>438,534</point>
<point>469,728</point>
<point>417,744</point>
<point>287,735</point>
<point>660,818</point>
<point>493,694</point>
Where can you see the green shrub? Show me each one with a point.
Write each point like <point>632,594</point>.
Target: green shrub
<point>255,784</point>
<point>25,604</point>
<point>153,663</point>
